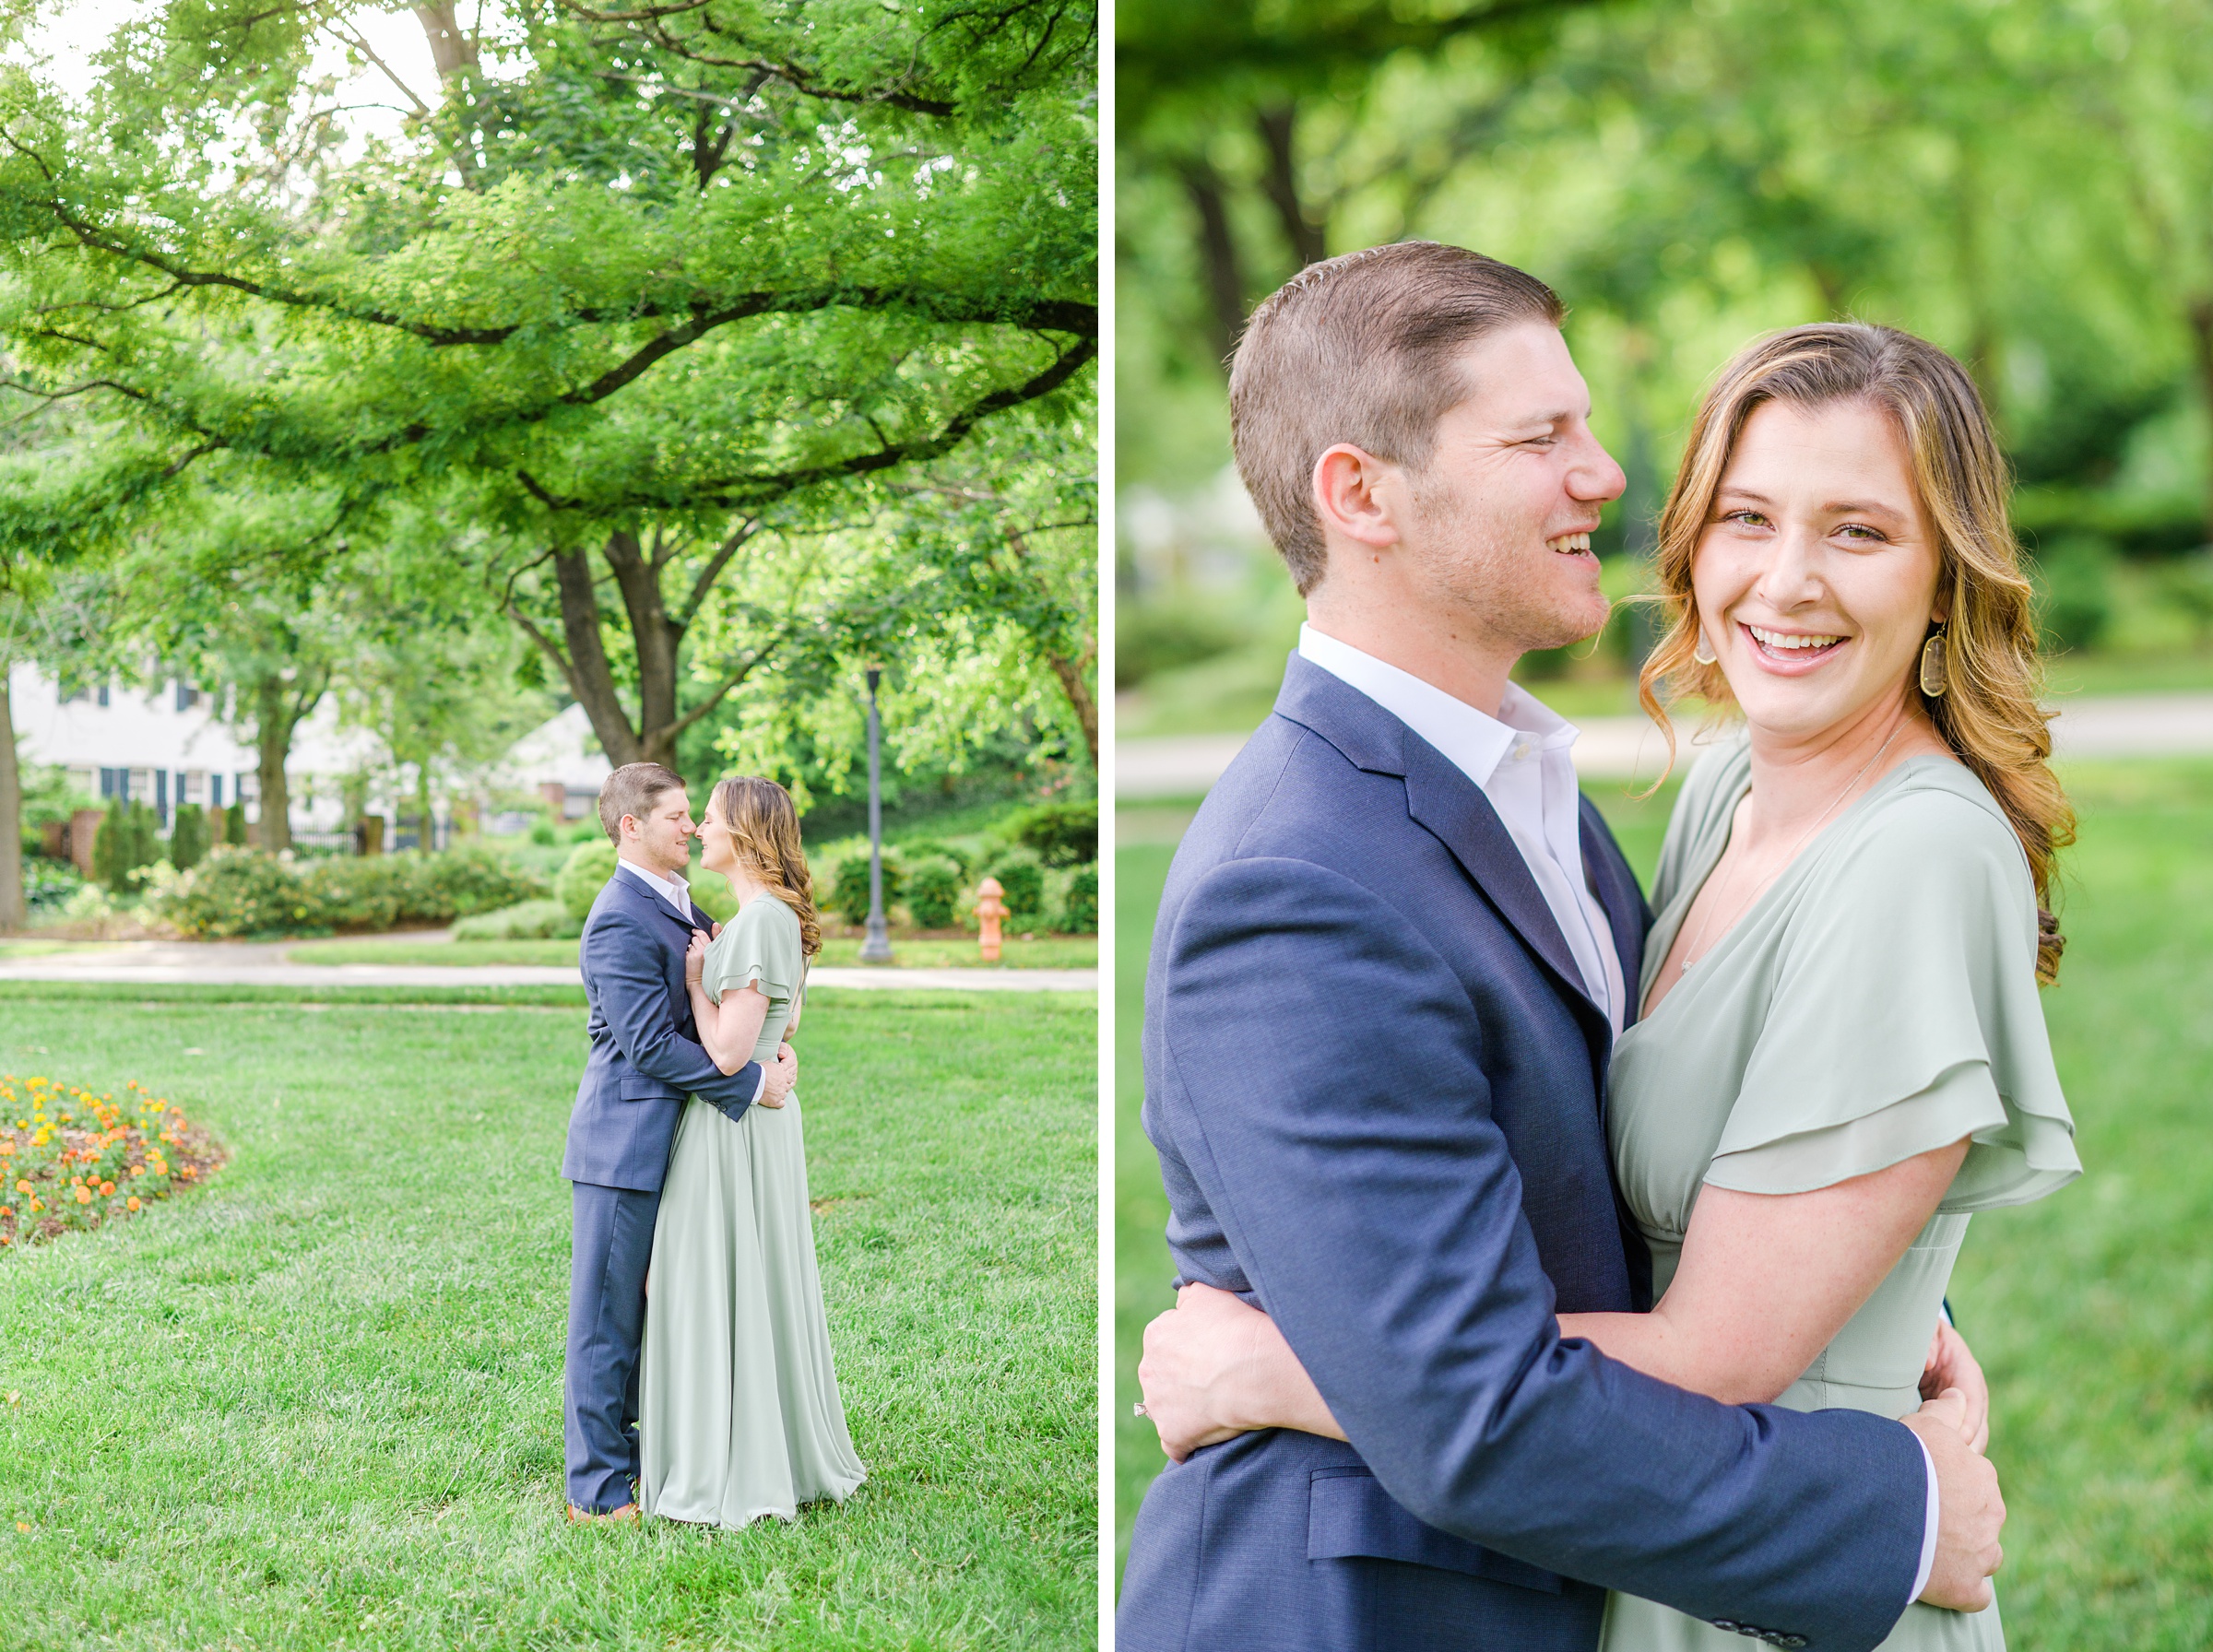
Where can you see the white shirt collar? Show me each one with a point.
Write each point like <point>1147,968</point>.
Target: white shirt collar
<point>1474,742</point>
<point>674,890</point>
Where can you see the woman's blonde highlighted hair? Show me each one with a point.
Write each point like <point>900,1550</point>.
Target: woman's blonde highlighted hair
<point>1989,715</point>
<point>765,834</point>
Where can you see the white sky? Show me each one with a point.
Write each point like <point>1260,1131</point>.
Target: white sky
<point>72,31</point>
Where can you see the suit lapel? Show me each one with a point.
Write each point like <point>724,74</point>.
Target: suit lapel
<point>1626,913</point>
<point>1448,805</point>
<point>641,893</point>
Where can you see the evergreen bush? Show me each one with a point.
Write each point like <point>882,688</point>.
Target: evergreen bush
<point>1064,834</point>
<point>584,875</point>
<point>933,892</point>
<point>527,920</point>
<point>188,837</point>
<point>125,841</point>
<point>850,896</point>
<point>234,823</point>
<point>241,891</point>
<point>1080,906</point>
<point>1021,877</point>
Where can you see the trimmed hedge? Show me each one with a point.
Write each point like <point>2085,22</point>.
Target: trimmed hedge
<point>236,891</point>
<point>933,893</point>
<point>1080,907</point>
<point>583,876</point>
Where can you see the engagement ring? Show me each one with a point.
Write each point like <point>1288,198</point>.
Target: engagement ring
<point>1137,1409</point>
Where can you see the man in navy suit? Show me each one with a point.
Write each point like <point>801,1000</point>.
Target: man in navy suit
<point>1390,963</point>
<point>645,1061</point>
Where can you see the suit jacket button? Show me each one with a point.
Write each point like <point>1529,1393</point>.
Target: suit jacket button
<point>1726,1625</point>
<point>1789,1640</point>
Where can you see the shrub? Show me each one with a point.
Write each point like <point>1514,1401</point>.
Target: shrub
<point>933,892</point>
<point>188,837</point>
<point>583,876</point>
<point>1080,907</point>
<point>850,896</point>
<point>1022,878</point>
<point>122,844</point>
<point>1160,635</point>
<point>1064,834</point>
<point>238,891</point>
<point>2074,591</point>
<point>711,894</point>
<point>234,891</point>
<point>234,823</point>
<point>49,884</point>
<point>915,850</point>
<point>76,1159</point>
<point>527,920</point>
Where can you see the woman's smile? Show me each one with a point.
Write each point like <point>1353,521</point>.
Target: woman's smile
<point>1791,652</point>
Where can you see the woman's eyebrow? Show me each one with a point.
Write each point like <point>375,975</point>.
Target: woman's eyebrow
<point>1864,507</point>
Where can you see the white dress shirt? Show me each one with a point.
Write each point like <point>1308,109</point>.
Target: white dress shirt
<point>677,894</point>
<point>1523,762</point>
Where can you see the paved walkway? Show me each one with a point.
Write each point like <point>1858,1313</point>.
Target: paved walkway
<point>246,964</point>
<point>1631,749</point>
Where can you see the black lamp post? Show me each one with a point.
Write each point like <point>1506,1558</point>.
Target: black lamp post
<point>876,948</point>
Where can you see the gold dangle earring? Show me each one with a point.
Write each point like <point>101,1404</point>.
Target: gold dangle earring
<point>1934,679</point>
<point>1704,653</point>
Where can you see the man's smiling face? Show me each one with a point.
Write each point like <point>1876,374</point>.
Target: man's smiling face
<point>1503,511</point>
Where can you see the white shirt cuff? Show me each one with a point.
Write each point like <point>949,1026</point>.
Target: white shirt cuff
<point>1928,1530</point>
<point>1928,1548</point>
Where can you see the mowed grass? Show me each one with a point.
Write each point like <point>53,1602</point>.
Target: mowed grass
<point>317,1404</point>
<point>2092,1311</point>
<point>1047,951</point>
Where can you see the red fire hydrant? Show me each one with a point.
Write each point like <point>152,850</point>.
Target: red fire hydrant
<point>989,911</point>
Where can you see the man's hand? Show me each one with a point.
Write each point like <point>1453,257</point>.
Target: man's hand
<point>695,959</point>
<point>778,1078</point>
<point>1952,1365</point>
<point>1970,1514</point>
<point>1189,1354</point>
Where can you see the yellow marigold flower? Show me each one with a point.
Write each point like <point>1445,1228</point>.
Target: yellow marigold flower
<point>131,1203</point>
<point>138,1169</point>
<point>36,1205</point>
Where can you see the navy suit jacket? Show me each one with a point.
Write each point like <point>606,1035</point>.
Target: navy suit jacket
<point>1377,1091</point>
<point>646,1052</point>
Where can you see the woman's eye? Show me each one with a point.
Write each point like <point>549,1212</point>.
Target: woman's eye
<point>1746,518</point>
<point>1862,532</point>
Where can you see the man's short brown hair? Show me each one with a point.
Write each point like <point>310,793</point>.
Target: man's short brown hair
<point>1360,348</point>
<point>632,790</point>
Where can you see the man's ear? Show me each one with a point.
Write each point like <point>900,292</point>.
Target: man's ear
<point>1353,491</point>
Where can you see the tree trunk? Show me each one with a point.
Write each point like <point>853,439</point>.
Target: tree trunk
<point>1080,697</point>
<point>12,907</point>
<point>2201,353</point>
<point>1305,238</point>
<point>426,832</point>
<point>452,48</point>
<point>273,724</point>
<point>591,679</point>
<point>656,642</point>
<point>1218,257</point>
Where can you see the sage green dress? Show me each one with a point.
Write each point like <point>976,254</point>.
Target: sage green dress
<point>1878,1000</point>
<point>738,1408</point>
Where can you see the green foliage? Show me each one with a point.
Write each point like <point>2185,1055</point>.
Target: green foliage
<point>235,893</point>
<point>1154,636</point>
<point>1064,834</point>
<point>711,894</point>
<point>49,885</point>
<point>1080,907</point>
<point>543,834</point>
<point>917,849</point>
<point>126,842</point>
<point>584,875</point>
<point>1021,876</point>
<point>234,823</point>
<point>934,891</point>
<point>188,837</point>
<point>849,894</point>
<point>2074,588</point>
<point>527,920</point>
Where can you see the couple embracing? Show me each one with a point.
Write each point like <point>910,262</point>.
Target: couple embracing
<point>699,1384</point>
<point>1557,1274</point>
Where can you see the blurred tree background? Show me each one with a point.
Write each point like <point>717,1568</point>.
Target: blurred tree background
<point>2029,183</point>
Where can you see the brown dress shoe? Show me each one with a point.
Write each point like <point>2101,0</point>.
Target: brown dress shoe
<point>625,1515</point>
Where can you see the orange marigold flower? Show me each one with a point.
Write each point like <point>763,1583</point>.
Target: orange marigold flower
<point>35,1205</point>
<point>130,1204</point>
<point>106,1189</point>
<point>22,1186</point>
<point>84,1195</point>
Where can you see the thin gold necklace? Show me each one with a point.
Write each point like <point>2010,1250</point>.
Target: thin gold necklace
<point>1696,949</point>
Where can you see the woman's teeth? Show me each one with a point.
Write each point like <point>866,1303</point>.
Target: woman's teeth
<point>1568,543</point>
<point>1778,639</point>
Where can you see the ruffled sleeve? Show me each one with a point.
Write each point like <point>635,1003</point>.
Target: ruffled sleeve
<point>1905,1016</point>
<point>759,947</point>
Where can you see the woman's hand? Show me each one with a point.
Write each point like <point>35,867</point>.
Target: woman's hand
<point>695,960</point>
<point>1952,1364</point>
<point>1214,1368</point>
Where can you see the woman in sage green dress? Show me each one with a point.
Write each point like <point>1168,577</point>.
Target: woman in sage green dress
<point>1841,1055</point>
<point>738,1413</point>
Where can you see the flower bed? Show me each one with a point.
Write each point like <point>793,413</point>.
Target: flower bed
<point>76,1159</point>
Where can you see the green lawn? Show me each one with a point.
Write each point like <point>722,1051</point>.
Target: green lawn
<point>2092,1311</point>
<point>1048,951</point>
<point>317,1404</point>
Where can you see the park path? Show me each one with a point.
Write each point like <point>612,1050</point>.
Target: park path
<point>247,963</point>
<point>1631,749</point>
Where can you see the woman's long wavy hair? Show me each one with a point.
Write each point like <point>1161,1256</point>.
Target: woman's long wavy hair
<point>765,836</point>
<point>1989,716</point>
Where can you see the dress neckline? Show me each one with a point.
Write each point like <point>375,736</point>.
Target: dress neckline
<point>1669,923</point>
